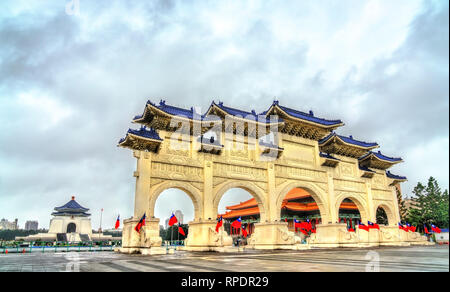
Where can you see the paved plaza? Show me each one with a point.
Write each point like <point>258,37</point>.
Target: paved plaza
<point>396,259</point>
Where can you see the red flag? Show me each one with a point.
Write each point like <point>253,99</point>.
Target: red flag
<point>351,229</point>
<point>404,228</point>
<point>172,220</point>
<point>435,228</point>
<point>180,229</point>
<point>244,232</point>
<point>363,227</point>
<point>219,224</point>
<point>304,231</point>
<point>140,224</point>
<point>308,225</point>
<point>426,230</point>
<point>373,225</point>
<point>117,222</point>
<point>237,223</point>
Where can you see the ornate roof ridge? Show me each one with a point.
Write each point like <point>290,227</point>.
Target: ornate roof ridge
<point>394,176</point>
<point>381,156</point>
<point>235,111</point>
<point>71,205</point>
<point>308,116</point>
<point>349,140</point>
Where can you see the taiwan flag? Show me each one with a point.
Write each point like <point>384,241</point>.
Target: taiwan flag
<point>172,220</point>
<point>363,227</point>
<point>297,224</point>
<point>308,225</point>
<point>244,231</point>
<point>237,223</point>
<point>180,230</point>
<point>219,224</point>
<point>140,224</point>
<point>435,228</point>
<point>410,228</point>
<point>373,225</point>
<point>400,226</point>
<point>117,222</point>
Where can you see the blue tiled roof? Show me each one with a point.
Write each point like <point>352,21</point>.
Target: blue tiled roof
<point>366,169</point>
<point>380,156</point>
<point>349,140</point>
<point>308,116</point>
<point>326,155</point>
<point>172,110</point>
<point>244,114</point>
<point>393,176</point>
<point>72,204</point>
<point>143,132</point>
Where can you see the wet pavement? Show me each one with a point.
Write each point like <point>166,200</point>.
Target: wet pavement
<point>397,259</point>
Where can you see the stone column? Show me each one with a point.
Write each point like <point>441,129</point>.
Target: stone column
<point>371,216</point>
<point>333,213</point>
<point>143,177</point>
<point>202,235</point>
<point>396,208</point>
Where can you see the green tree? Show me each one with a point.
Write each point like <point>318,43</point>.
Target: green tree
<point>401,206</point>
<point>382,217</point>
<point>429,205</point>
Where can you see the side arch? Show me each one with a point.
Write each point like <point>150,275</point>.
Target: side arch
<point>358,200</point>
<point>190,190</point>
<point>388,209</point>
<point>250,187</point>
<point>316,193</point>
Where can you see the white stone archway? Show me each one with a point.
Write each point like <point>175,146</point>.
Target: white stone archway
<point>187,188</point>
<point>358,200</point>
<point>250,187</point>
<point>316,193</point>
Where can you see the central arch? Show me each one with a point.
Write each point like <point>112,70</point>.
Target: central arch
<point>358,200</point>
<point>316,193</point>
<point>190,190</point>
<point>71,228</point>
<point>254,190</point>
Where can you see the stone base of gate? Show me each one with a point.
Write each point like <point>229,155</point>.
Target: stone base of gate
<point>202,236</point>
<point>273,235</point>
<point>337,235</point>
<point>329,236</point>
<point>147,241</point>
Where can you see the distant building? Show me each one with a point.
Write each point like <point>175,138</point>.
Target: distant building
<point>180,218</point>
<point>31,225</point>
<point>6,225</point>
<point>70,222</point>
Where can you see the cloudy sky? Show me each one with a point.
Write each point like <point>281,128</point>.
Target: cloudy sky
<point>72,79</point>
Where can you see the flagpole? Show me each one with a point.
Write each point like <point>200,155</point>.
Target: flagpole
<point>101,215</point>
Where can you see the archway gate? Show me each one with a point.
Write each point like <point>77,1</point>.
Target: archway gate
<point>173,149</point>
